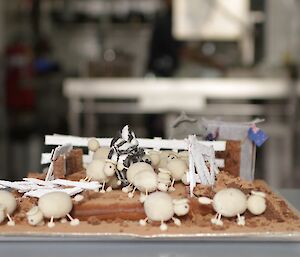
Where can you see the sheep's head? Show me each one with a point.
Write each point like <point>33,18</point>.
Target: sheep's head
<point>172,156</point>
<point>109,168</point>
<point>256,203</point>
<point>34,216</point>
<point>93,145</point>
<point>162,187</point>
<point>181,207</point>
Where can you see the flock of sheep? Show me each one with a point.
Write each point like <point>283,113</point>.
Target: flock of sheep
<point>154,175</point>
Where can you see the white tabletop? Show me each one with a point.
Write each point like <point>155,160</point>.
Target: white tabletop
<point>240,88</point>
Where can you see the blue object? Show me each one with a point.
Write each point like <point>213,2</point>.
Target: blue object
<point>44,65</point>
<point>257,136</point>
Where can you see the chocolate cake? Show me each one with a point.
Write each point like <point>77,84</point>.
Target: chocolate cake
<point>123,210</point>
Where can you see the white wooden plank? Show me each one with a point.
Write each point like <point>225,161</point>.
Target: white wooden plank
<point>143,142</point>
<point>46,158</point>
<point>88,158</point>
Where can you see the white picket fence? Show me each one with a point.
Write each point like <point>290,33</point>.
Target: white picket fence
<point>155,143</point>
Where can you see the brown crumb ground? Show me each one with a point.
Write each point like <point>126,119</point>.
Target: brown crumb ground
<point>279,217</point>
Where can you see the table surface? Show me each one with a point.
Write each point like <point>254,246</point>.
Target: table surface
<point>89,247</point>
<point>218,88</point>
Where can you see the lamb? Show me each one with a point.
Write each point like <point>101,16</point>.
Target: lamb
<point>159,206</point>
<point>178,170</point>
<point>164,180</point>
<point>54,205</point>
<point>165,157</point>
<point>231,202</point>
<point>133,170</point>
<point>146,182</point>
<point>142,176</point>
<point>8,205</point>
<point>154,157</point>
<point>101,170</point>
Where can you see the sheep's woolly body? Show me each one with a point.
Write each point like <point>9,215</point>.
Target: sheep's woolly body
<point>146,181</point>
<point>55,204</point>
<point>96,171</point>
<point>229,202</point>
<point>135,168</point>
<point>8,201</point>
<point>159,207</point>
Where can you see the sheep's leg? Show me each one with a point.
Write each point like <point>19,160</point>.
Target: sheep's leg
<point>143,222</point>
<point>131,194</point>
<point>214,219</point>
<point>63,220</point>
<point>51,224</point>
<point>127,188</point>
<point>163,226</point>
<point>85,179</point>
<point>172,188</point>
<point>73,222</point>
<point>109,189</point>
<point>217,220</point>
<point>176,221</point>
<point>143,196</point>
<point>103,188</point>
<point>10,221</point>
<point>240,220</point>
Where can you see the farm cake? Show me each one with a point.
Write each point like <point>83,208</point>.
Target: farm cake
<point>129,186</point>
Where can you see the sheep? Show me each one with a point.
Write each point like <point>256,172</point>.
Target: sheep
<point>8,205</point>
<point>184,155</point>
<point>132,171</point>
<point>54,205</point>
<point>231,202</point>
<point>165,157</point>
<point>100,170</point>
<point>164,180</point>
<point>159,206</point>
<point>145,181</point>
<point>178,170</point>
<point>155,158</point>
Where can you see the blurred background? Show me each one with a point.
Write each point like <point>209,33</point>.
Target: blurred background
<point>44,43</point>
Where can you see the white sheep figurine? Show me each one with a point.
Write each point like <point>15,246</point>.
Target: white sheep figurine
<point>159,206</point>
<point>132,171</point>
<point>154,157</point>
<point>141,176</point>
<point>8,205</point>
<point>102,171</point>
<point>164,180</point>
<point>230,202</point>
<point>165,157</point>
<point>178,170</point>
<point>54,205</point>
<point>145,181</point>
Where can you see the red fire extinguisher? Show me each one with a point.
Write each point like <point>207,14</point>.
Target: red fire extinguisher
<point>20,94</point>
